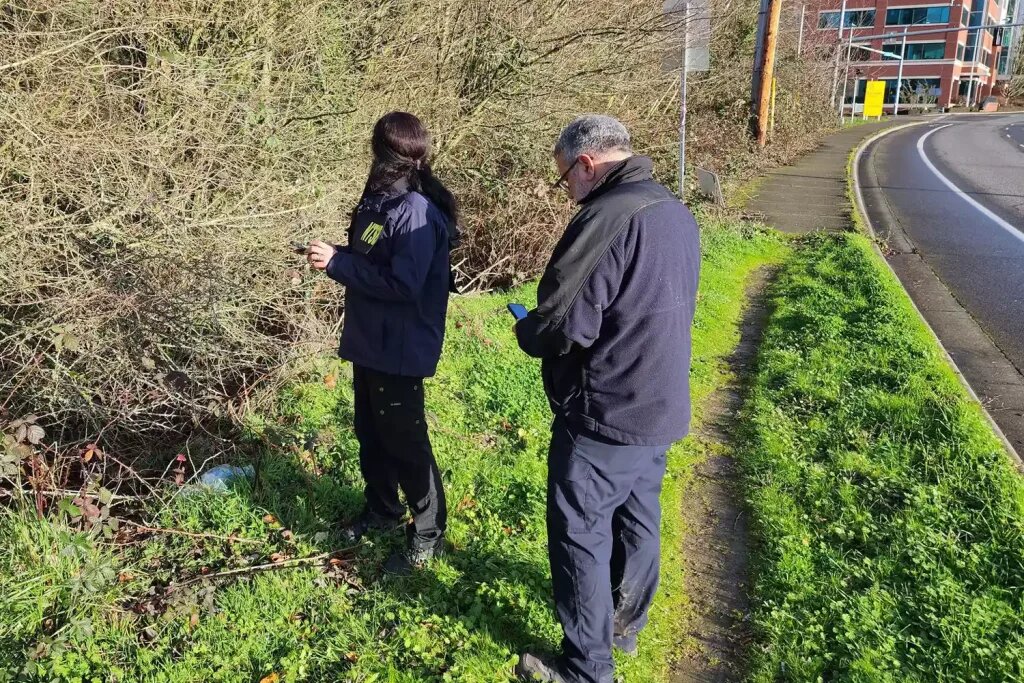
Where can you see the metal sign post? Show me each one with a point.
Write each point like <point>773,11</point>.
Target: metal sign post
<point>695,31</point>
<point>899,77</point>
<point>682,101</point>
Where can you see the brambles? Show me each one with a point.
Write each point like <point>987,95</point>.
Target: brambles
<point>158,158</point>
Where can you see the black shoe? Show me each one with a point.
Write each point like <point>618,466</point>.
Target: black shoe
<point>405,562</point>
<point>366,522</point>
<point>533,668</point>
<point>626,644</point>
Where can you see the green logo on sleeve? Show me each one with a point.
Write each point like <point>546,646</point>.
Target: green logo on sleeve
<point>372,233</point>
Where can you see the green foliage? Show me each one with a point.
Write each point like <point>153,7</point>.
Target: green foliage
<point>464,618</point>
<point>890,522</point>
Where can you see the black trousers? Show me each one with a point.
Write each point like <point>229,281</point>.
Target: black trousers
<point>395,451</point>
<point>604,542</point>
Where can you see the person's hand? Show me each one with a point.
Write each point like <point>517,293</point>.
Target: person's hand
<point>320,254</point>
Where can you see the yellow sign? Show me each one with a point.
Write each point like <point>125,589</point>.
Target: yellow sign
<point>874,95</point>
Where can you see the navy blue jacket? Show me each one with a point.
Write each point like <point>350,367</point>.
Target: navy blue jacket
<point>614,311</point>
<point>396,294</point>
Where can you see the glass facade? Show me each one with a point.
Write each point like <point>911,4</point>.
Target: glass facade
<point>912,16</point>
<point>917,51</point>
<point>854,19</point>
<point>971,54</point>
<point>914,91</point>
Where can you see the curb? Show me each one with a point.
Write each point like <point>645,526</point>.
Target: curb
<point>853,180</point>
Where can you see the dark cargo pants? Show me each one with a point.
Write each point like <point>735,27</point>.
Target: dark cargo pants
<point>394,450</point>
<point>604,519</point>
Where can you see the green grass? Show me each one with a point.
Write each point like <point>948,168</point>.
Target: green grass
<point>889,521</point>
<point>79,608</point>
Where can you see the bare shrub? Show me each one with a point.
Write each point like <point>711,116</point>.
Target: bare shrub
<point>157,157</point>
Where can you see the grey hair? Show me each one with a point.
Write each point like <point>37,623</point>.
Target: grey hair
<point>593,134</point>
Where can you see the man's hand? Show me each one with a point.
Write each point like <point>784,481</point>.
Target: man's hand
<point>320,254</point>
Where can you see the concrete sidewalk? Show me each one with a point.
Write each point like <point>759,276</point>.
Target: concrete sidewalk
<point>811,194</point>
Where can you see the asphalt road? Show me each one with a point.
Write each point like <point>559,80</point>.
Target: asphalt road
<point>952,191</point>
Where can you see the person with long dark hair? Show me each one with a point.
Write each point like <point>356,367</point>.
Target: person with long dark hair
<point>397,274</point>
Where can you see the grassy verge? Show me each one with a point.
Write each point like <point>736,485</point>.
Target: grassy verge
<point>890,522</point>
<point>92,605</point>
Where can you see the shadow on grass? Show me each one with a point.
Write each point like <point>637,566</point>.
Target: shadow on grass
<point>313,504</point>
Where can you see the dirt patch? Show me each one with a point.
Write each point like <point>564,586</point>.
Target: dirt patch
<point>716,546</point>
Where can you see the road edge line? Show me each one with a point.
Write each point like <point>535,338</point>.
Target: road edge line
<point>974,203</point>
<point>853,180</point>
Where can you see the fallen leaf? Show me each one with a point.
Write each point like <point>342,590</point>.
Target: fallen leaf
<point>124,577</point>
<point>193,620</point>
<point>271,678</point>
<point>92,451</point>
<point>286,534</point>
<point>91,511</point>
<point>269,519</point>
<point>330,381</point>
<point>352,657</point>
<point>277,558</point>
<point>335,562</point>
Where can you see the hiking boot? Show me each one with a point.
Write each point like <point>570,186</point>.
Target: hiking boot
<point>366,522</point>
<point>626,644</point>
<point>405,562</point>
<point>533,668</point>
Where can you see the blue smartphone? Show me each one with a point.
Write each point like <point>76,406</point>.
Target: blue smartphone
<point>518,311</point>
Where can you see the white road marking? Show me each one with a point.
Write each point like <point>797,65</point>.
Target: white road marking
<point>963,195</point>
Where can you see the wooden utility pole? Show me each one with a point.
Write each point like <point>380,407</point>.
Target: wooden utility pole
<point>764,99</point>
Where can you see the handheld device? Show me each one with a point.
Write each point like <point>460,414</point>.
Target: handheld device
<point>299,247</point>
<point>518,311</point>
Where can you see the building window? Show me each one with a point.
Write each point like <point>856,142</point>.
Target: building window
<point>917,15</point>
<point>914,91</point>
<point>854,19</point>
<point>917,51</point>
<point>965,17</point>
<point>960,51</point>
<point>1001,67</point>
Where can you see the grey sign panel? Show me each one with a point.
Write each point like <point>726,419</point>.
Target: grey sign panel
<point>710,186</point>
<point>693,18</point>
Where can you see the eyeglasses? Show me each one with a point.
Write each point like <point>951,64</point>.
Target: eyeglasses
<point>561,181</point>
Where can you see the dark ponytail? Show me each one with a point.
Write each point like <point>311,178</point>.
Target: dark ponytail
<point>401,147</point>
<point>433,189</point>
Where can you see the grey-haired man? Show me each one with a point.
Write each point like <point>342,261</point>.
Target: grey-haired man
<point>612,328</point>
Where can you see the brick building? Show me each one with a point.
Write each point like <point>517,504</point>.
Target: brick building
<point>940,70</point>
